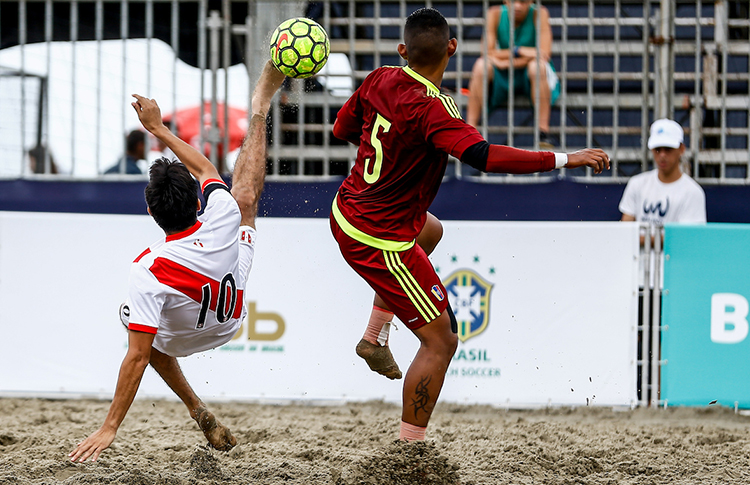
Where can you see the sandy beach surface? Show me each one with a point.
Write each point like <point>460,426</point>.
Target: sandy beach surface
<point>356,443</point>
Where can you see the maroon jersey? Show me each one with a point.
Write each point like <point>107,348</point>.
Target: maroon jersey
<point>405,130</point>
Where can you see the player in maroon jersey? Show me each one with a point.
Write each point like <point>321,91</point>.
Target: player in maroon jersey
<point>186,289</point>
<point>405,129</point>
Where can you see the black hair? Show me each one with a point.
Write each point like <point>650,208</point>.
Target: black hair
<point>426,36</point>
<point>172,195</point>
<point>133,139</point>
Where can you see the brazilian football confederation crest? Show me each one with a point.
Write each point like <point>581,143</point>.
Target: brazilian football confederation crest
<point>469,296</point>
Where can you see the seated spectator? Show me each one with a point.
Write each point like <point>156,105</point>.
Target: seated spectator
<point>524,60</point>
<point>135,147</point>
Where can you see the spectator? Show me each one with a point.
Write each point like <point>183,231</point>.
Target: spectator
<point>135,148</point>
<point>37,160</point>
<point>664,194</point>
<point>524,60</point>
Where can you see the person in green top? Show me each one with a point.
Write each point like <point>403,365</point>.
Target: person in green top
<point>523,58</point>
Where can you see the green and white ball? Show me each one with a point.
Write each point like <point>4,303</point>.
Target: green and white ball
<point>299,47</point>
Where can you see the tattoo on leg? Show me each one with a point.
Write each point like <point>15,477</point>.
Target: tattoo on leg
<point>423,395</point>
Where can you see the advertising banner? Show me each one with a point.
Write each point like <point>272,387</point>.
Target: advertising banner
<point>705,344</point>
<point>547,313</point>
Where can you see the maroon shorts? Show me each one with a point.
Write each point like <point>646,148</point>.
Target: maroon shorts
<point>405,280</point>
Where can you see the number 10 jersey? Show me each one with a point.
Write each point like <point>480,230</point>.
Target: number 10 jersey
<point>188,288</point>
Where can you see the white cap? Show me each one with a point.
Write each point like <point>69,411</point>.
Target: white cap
<point>665,133</point>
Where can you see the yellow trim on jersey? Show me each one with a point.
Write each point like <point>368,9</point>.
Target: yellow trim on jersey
<point>432,90</point>
<point>364,238</point>
<point>448,103</point>
<point>410,286</point>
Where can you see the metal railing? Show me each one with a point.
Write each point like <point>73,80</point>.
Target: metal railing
<point>621,63</point>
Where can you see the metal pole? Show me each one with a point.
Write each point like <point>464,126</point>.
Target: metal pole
<point>149,36</point>
<point>564,81</point>
<point>656,319</point>
<point>22,45</point>
<point>124,6</point>
<point>353,58</point>
<point>73,39</point>
<point>616,87</point>
<point>48,16</point>
<point>487,65</point>
<point>698,102</point>
<point>202,13</point>
<point>664,103</point>
<point>645,312</point>
<point>511,69</point>
<point>590,85</point>
<point>537,89</point>
<point>326,98</point>
<point>99,33</point>
<point>175,38</point>
<point>644,87</point>
<point>214,24</point>
<point>226,57</point>
<point>722,42</point>
<point>459,73</point>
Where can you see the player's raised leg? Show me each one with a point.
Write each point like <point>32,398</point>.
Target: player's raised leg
<point>373,347</point>
<point>218,436</point>
<point>250,167</point>
<point>426,375</point>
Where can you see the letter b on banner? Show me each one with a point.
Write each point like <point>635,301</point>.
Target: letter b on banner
<point>728,318</point>
<point>261,331</point>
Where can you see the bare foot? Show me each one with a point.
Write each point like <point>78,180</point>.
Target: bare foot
<point>379,359</point>
<point>217,435</point>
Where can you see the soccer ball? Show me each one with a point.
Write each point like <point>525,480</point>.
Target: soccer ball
<point>299,47</point>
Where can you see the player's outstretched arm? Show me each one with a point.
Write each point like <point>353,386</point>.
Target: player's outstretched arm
<point>250,167</point>
<point>131,372</point>
<point>504,159</point>
<point>269,82</point>
<point>150,115</point>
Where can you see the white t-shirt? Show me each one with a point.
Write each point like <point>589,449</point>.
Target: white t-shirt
<point>650,200</point>
<point>187,288</point>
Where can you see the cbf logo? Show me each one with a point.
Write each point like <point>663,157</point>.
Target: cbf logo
<point>469,296</point>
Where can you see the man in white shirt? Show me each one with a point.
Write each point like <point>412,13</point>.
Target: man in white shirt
<point>664,194</point>
<point>186,289</point>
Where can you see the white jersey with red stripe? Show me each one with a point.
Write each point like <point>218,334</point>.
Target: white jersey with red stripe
<point>187,288</point>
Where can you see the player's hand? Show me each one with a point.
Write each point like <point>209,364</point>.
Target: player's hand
<point>148,112</point>
<point>589,157</point>
<point>93,445</point>
<point>269,82</point>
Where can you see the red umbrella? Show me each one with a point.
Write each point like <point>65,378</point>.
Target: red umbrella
<point>188,126</point>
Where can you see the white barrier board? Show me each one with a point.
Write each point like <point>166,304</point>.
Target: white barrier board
<point>548,313</point>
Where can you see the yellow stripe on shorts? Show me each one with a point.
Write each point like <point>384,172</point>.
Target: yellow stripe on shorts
<point>409,284</point>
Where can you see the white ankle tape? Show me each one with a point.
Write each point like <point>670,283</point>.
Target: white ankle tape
<point>384,332</point>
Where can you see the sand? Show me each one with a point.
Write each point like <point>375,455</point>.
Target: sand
<point>355,444</point>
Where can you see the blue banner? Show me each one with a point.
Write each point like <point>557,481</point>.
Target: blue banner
<point>705,340</point>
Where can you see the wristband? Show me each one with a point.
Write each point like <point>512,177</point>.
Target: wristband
<point>515,51</point>
<point>561,159</point>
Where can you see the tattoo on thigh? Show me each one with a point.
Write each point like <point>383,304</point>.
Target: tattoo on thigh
<point>423,395</point>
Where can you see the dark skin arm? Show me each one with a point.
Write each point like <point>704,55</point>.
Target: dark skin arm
<point>131,372</point>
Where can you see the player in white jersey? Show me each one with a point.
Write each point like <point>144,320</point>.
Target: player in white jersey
<point>186,290</point>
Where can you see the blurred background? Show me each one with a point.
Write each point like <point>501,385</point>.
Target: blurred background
<point>67,70</point>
